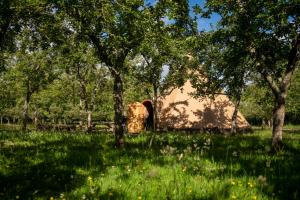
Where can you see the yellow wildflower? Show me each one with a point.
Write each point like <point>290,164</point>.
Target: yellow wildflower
<point>139,198</point>
<point>232,183</point>
<point>51,198</point>
<point>254,198</point>
<point>250,184</point>
<point>233,197</point>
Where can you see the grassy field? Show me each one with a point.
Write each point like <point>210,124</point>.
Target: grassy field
<point>54,165</point>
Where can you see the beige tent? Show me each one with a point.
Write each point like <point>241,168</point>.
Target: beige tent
<point>179,110</point>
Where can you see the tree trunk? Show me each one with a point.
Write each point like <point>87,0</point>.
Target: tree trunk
<point>155,118</point>
<point>278,122</point>
<point>25,111</point>
<point>80,114</point>
<point>118,108</point>
<point>36,118</point>
<point>234,116</point>
<point>89,120</point>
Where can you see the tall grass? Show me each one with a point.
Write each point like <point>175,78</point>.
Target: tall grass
<point>56,165</point>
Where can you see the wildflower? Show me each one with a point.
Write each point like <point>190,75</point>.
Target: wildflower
<point>51,198</point>
<point>139,197</point>
<point>190,190</point>
<point>17,197</point>
<point>250,184</point>
<point>184,168</point>
<point>232,182</point>
<point>254,198</point>
<point>262,180</point>
<point>110,194</point>
<point>233,197</point>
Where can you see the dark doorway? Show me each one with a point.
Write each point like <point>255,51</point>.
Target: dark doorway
<point>149,121</point>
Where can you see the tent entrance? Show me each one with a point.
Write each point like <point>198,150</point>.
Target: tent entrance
<point>149,123</point>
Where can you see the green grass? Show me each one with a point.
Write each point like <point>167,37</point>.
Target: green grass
<point>45,165</point>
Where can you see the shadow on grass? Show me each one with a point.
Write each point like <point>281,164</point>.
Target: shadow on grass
<point>250,152</point>
<point>47,167</point>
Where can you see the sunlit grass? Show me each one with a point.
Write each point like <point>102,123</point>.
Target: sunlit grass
<point>45,165</point>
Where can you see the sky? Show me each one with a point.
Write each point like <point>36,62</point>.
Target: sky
<point>203,23</point>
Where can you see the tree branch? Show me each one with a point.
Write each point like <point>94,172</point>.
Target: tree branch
<point>291,66</point>
<point>272,84</point>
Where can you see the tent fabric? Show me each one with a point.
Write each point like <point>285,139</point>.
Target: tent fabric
<point>136,115</point>
<point>179,110</point>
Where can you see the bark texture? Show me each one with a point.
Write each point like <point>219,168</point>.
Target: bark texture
<point>234,116</point>
<point>278,122</point>
<point>118,109</point>
<point>155,108</point>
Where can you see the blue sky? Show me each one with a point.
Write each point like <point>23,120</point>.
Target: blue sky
<point>203,23</point>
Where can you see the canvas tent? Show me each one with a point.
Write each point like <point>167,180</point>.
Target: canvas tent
<point>180,110</point>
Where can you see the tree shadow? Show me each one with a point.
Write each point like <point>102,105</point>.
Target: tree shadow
<point>47,168</point>
<point>202,114</point>
<point>50,167</point>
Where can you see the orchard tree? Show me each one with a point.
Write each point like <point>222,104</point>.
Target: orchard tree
<point>115,29</point>
<point>33,71</point>
<point>267,34</point>
<point>83,68</point>
<point>257,104</point>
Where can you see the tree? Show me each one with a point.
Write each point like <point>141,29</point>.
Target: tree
<point>83,68</point>
<point>257,104</point>
<point>268,33</point>
<point>33,72</point>
<point>115,29</point>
